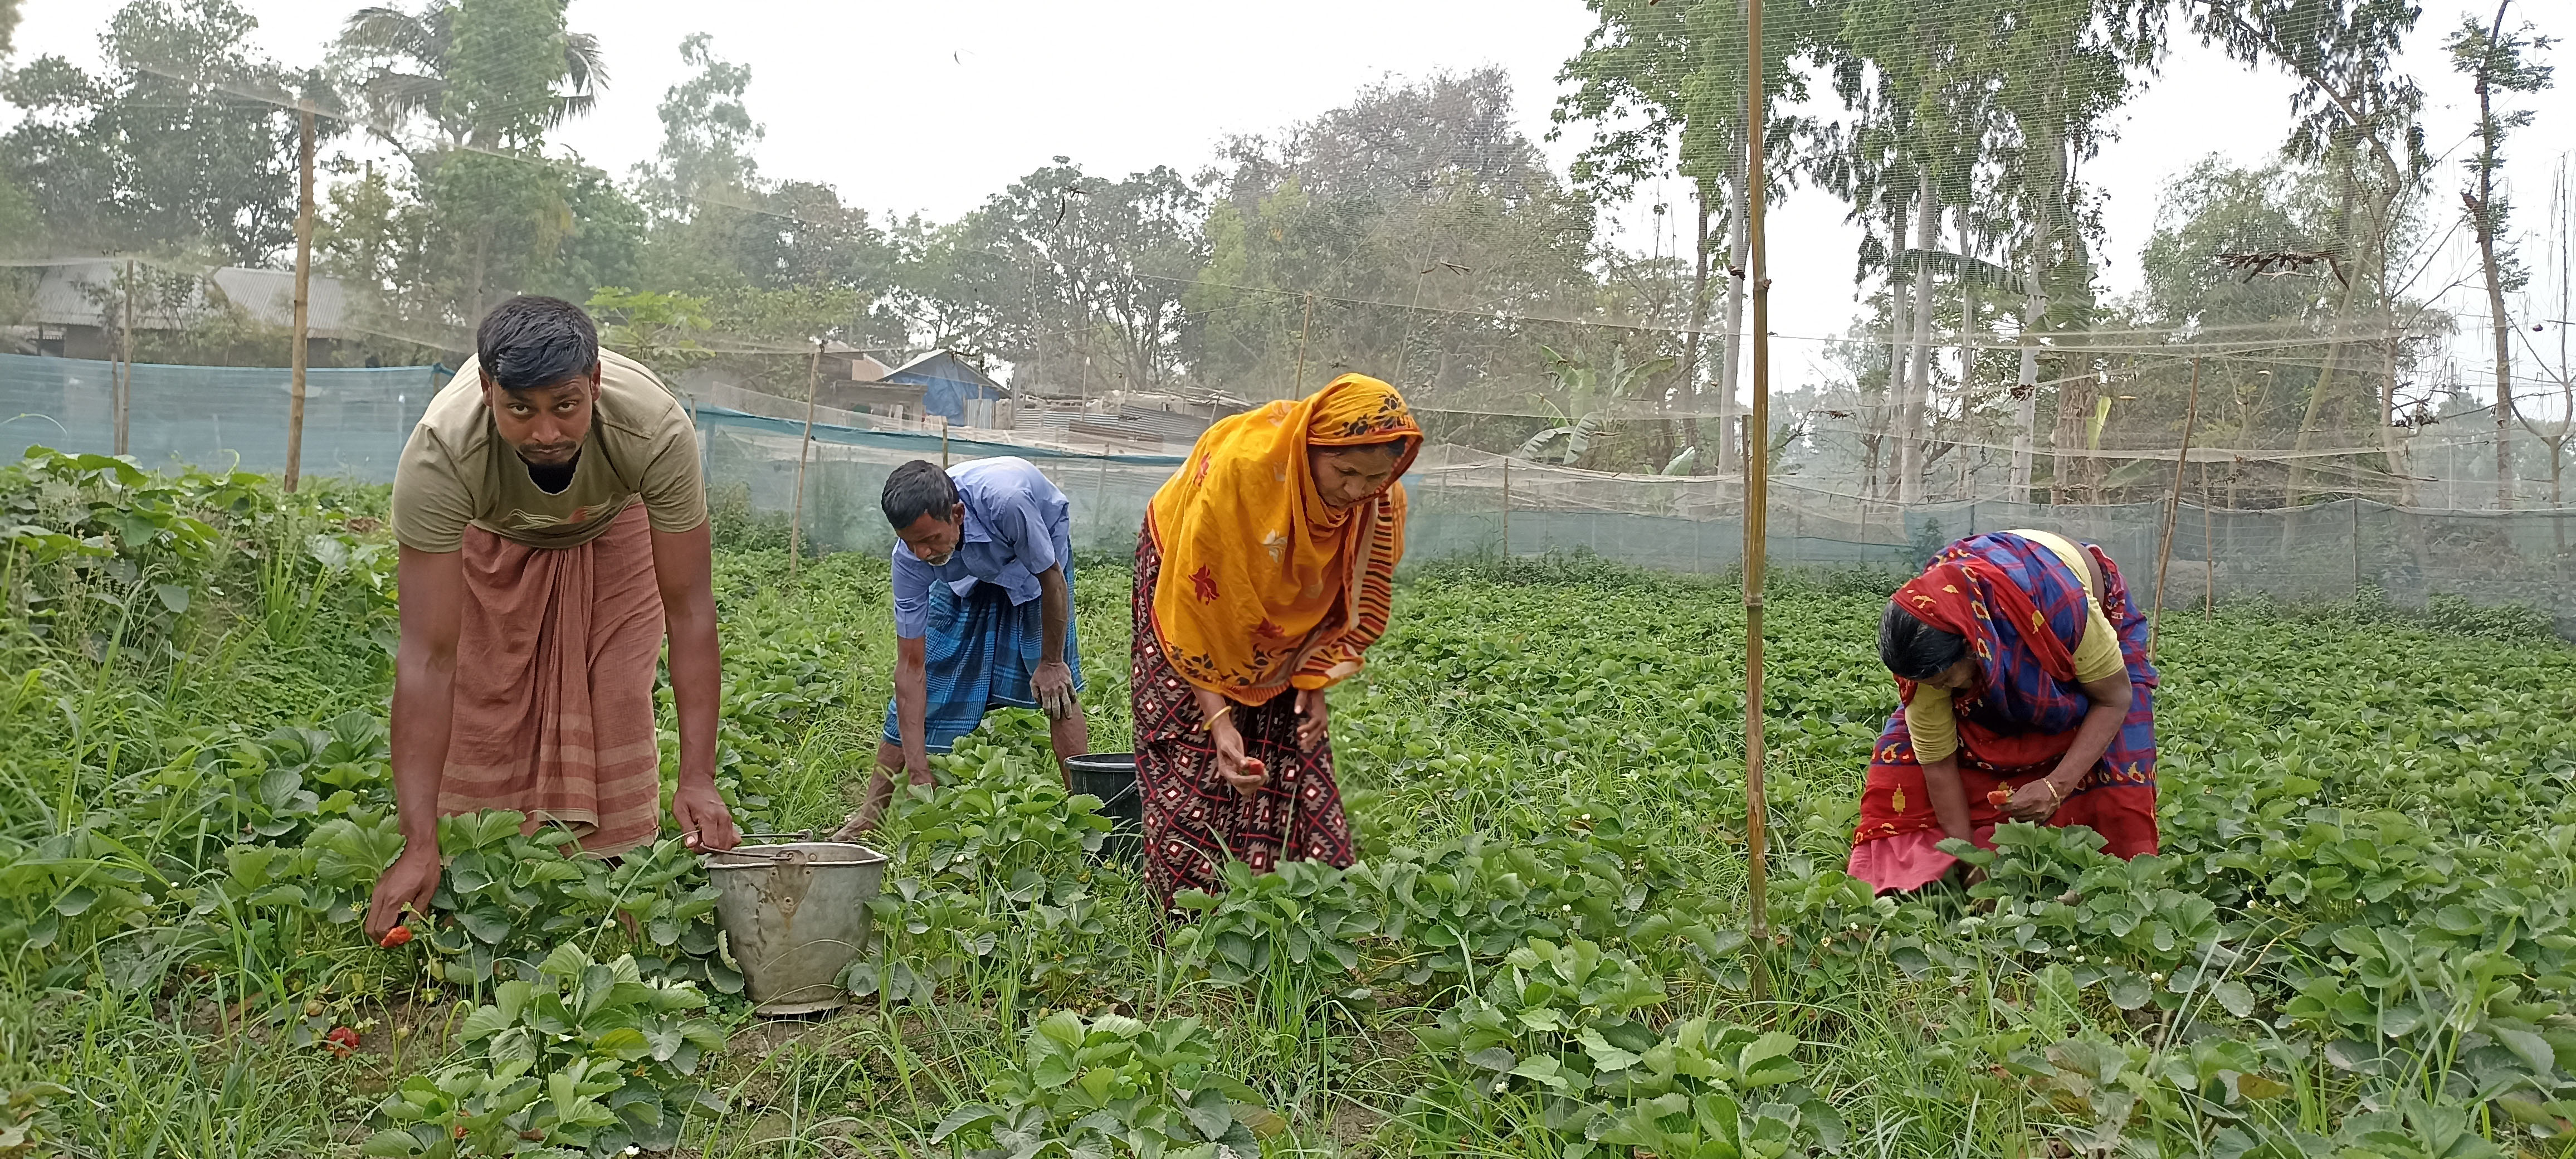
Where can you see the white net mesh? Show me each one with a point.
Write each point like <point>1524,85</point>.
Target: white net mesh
<point>2301,353</point>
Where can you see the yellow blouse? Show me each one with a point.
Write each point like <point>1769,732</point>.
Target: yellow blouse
<point>1935,729</point>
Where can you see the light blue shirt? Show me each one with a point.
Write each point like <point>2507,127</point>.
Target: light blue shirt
<point>1017,526</point>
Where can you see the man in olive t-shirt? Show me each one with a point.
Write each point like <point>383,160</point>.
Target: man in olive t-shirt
<point>551,519</point>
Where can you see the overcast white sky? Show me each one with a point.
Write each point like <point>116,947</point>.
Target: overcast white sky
<point>931,107</point>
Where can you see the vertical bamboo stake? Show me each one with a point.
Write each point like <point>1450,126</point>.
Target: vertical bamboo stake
<point>2209,551</point>
<point>296,357</point>
<point>796,516</point>
<point>124,382</point>
<point>1507,507</point>
<point>1757,489</point>
<point>2173,510</point>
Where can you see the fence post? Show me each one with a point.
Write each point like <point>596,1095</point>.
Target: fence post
<point>297,357</point>
<point>123,384</point>
<point>2173,510</point>
<point>796,509</point>
<point>1507,507</point>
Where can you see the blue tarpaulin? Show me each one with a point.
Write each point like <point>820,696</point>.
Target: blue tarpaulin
<point>946,383</point>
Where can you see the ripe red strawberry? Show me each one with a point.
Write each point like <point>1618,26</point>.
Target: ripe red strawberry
<point>395,937</point>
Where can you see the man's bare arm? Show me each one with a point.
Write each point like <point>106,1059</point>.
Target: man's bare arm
<point>684,570</point>
<point>431,587</point>
<point>912,704</point>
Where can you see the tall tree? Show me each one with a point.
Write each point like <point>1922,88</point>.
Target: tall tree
<point>2558,438</point>
<point>707,135</point>
<point>1069,277</point>
<point>1921,90</point>
<point>181,143</point>
<point>1986,106</point>
<point>402,64</point>
<point>2211,212</point>
<point>1662,86</point>
<point>1413,233</point>
<point>2071,65</point>
<point>508,218</point>
<point>2492,58</point>
<point>2355,114</point>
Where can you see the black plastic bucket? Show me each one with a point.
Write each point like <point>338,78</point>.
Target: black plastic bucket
<point>1112,778</point>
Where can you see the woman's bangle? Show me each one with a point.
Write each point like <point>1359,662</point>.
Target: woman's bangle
<point>1216,716</point>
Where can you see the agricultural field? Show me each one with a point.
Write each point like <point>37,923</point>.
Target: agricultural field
<point>2356,944</point>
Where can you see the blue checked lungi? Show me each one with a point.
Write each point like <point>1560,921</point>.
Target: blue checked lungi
<point>980,653</point>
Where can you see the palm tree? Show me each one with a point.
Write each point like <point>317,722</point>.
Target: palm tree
<point>400,61</point>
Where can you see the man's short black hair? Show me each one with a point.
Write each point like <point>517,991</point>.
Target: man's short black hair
<point>916,489</point>
<point>1913,649</point>
<point>530,342</point>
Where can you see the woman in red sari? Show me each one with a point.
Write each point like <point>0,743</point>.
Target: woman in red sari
<point>1265,570</point>
<point>2027,697</point>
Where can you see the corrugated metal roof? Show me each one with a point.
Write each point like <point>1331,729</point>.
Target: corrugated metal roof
<point>74,293</point>
<point>1171,427</point>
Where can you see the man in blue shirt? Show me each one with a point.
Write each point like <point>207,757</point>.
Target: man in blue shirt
<point>983,614</point>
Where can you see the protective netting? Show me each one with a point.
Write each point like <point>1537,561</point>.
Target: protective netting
<point>355,420</point>
<point>1466,503</point>
<point>2340,360</point>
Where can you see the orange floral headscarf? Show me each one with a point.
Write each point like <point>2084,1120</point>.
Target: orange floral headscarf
<point>1263,586</point>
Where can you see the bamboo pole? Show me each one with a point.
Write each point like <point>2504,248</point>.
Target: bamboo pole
<point>2173,510</point>
<point>1757,490</point>
<point>2208,551</point>
<point>1507,507</point>
<point>124,384</point>
<point>297,357</point>
<point>796,517</point>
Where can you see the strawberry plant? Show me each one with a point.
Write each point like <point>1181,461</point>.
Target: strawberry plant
<point>586,1056</point>
<point>1547,1022</point>
<point>1694,1093</point>
<point>1112,1086</point>
<point>994,873</point>
<point>2355,941</point>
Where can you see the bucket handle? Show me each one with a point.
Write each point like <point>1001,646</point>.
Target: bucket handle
<point>791,857</point>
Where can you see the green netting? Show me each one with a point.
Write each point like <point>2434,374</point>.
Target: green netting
<point>355,420</point>
<point>1465,502</point>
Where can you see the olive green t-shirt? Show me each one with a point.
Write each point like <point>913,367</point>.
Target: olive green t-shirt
<point>457,470</point>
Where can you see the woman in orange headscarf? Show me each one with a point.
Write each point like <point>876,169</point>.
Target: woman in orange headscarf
<point>1265,570</point>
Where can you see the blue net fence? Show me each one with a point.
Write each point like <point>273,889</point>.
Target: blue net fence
<point>355,420</point>
<point>1466,503</point>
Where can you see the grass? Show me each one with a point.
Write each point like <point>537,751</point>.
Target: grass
<point>1511,706</point>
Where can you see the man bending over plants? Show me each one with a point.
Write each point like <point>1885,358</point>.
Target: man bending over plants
<point>983,615</point>
<point>552,522</point>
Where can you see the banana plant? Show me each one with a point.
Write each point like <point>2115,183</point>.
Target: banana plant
<point>1588,390</point>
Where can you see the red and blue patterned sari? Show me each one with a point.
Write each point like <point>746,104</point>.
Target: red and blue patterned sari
<point>2023,611</point>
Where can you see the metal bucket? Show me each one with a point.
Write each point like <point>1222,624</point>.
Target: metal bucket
<point>795,915</point>
<point>1112,778</point>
